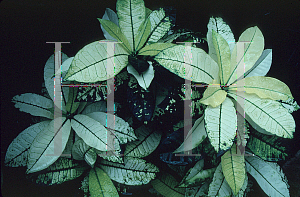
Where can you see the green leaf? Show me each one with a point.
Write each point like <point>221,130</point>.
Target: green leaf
<point>218,25</point>
<point>99,106</point>
<point>253,49</point>
<point>142,35</point>
<point>165,185</point>
<point>17,151</point>
<point>34,104</point>
<point>268,115</point>
<point>223,56</point>
<point>82,151</point>
<point>155,48</point>
<point>189,63</point>
<point>89,64</point>
<point>233,166</point>
<point>197,191</point>
<point>100,184</point>
<point>221,123</point>
<point>119,127</point>
<point>160,25</point>
<point>219,186</point>
<point>268,175</point>
<point>91,131</point>
<point>131,15</point>
<point>61,171</point>
<point>194,137</point>
<point>147,142</point>
<point>134,172</point>
<point>48,145</point>
<point>113,17</point>
<point>114,31</point>
<point>267,147</point>
<point>71,105</point>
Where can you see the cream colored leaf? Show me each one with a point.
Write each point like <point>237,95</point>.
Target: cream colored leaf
<point>145,78</point>
<point>265,87</point>
<point>253,47</point>
<point>89,64</point>
<point>48,145</point>
<point>114,31</point>
<point>194,137</point>
<point>100,184</point>
<point>134,172</point>
<point>147,142</point>
<point>131,15</point>
<point>223,56</point>
<point>155,48</point>
<point>189,63</point>
<point>213,95</point>
<point>268,175</point>
<point>17,151</point>
<point>34,104</point>
<point>221,123</point>
<point>233,167</point>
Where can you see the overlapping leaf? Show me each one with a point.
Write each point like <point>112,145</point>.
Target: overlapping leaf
<point>81,151</point>
<point>219,186</point>
<point>111,16</point>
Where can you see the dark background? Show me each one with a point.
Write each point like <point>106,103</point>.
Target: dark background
<point>26,26</point>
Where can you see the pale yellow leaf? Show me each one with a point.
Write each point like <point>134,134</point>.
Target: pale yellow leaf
<point>213,95</point>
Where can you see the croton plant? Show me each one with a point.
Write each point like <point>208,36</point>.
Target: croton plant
<point>238,118</point>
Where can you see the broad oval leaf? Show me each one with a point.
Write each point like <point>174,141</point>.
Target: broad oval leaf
<point>111,16</point>
<point>165,185</point>
<point>60,171</point>
<point>100,184</point>
<point>147,142</point>
<point>82,151</point>
<point>34,104</point>
<point>233,167</point>
<point>189,63</point>
<point>218,25</point>
<point>160,25</point>
<point>269,115</point>
<point>48,145</point>
<point>221,123</point>
<point>134,172</point>
<point>17,151</point>
<point>262,65</point>
<point>219,186</point>
<point>145,78</point>
<point>194,137</point>
<point>131,15</point>
<point>89,64</point>
<point>91,131</point>
<point>116,125</point>
<point>213,95</point>
<point>268,175</point>
<point>253,49</point>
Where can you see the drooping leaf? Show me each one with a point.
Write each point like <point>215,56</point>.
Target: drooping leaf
<point>223,56</point>
<point>91,131</point>
<point>111,16</point>
<point>268,115</point>
<point>48,145</point>
<point>219,186</point>
<point>114,31</point>
<point>221,123</point>
<point>262,65</point>
<point>194,137</point>
<point>117,126</point>
<point>265,87</point>
<point>197,191</point>
<point>34,104</point>
<point>213,95</point>
<point>145,78</point>
<point>253,49</point>
<point>17,151</point>
<point>148,140</point>
<point>165,185</point>
<point>131,15</point>
<point>160,25</point>
<point>134,172</point>
<point>268,175</point>
<point>269,148</point>
<point>155,48</point>
<point>62,170</point>
<point>189,63</point>
<point>233,167</point>
<point>100,184</point>
<point>82,151</point>
<point>89,64</point>
<point>218,25</point>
